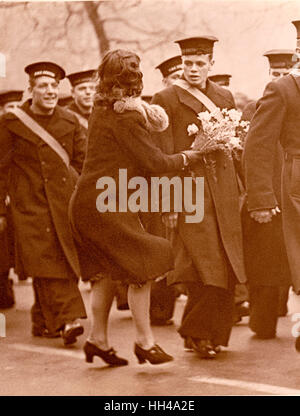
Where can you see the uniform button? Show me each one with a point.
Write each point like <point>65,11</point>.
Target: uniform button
<point>64,179</point>
<point>43,163</point>
<point>64,144</point>
<point>46,180</point>
<point>48,230</point>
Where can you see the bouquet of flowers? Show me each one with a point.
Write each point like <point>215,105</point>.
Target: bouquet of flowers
<point>221,130</point>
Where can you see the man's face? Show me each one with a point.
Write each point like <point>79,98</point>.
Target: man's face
<point>10,106</point>
<point>45,93</point>
<point>83,94</point>
<point>277,73</point>
<point>170,79</point>
<point>196,68</point>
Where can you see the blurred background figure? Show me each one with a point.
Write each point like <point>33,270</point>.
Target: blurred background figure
<point>280,64</point>
<point>241,100</point>
<point>83,92</point>
<point>171,70</point>
<point>221,79</point>
<point>10,99</point>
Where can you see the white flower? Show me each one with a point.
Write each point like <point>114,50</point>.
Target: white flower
<point>217,114</point>
<point>244,123</point>
<point>235,142</point>
<point>235,115</point>
<point>204,116</point>
<point>192,129</point>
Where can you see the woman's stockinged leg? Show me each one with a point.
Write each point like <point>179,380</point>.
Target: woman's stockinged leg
<point>102,295</point>
<point>139,303</point>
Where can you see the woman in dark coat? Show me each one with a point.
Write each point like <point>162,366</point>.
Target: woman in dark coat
<point>114,245</point>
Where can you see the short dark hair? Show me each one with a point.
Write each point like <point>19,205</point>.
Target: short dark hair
<point>119,76</point>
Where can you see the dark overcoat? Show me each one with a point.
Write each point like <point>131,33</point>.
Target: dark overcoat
<point>116,243</point>
<point>39,186</point>
<point>277,120</point>
<point>5,263</point>
<point>218,238</point>
<point>264,248</point>
<point>82,118</point>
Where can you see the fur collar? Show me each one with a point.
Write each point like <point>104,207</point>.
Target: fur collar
<point>155,116</point>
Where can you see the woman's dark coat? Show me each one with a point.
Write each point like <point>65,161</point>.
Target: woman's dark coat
<point>115,243</point>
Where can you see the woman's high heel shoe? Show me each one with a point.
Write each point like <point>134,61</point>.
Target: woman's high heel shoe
<point>154,355</point>
<point>108,356</point>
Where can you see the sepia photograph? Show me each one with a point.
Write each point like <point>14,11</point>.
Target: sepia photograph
<point>150,201</point>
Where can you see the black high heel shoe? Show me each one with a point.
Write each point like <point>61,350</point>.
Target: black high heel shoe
<point>155,355</point>
<point>203,348</point>
<point>108,356</point>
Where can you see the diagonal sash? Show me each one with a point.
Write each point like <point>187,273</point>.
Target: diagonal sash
<point>42,133</point>
<point>207,102</point>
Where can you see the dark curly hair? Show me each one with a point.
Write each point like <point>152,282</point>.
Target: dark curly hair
<point>119,76</point>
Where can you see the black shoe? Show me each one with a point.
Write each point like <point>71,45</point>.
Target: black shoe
<point>71,332</point>
<point>203,348</point>
<point>108,356</point>
<point>44,333</point>
<point>154,355</point>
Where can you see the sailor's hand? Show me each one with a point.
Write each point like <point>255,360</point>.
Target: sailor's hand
<point>264,215</point>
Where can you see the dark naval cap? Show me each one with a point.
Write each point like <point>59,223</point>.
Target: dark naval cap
<point>80,77</point>
<point>280,58</point>
<point>8,96</point>
<point>223,79</point>
<point>49,69</point>
<point>169,66</point>
<point>197,45</point>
